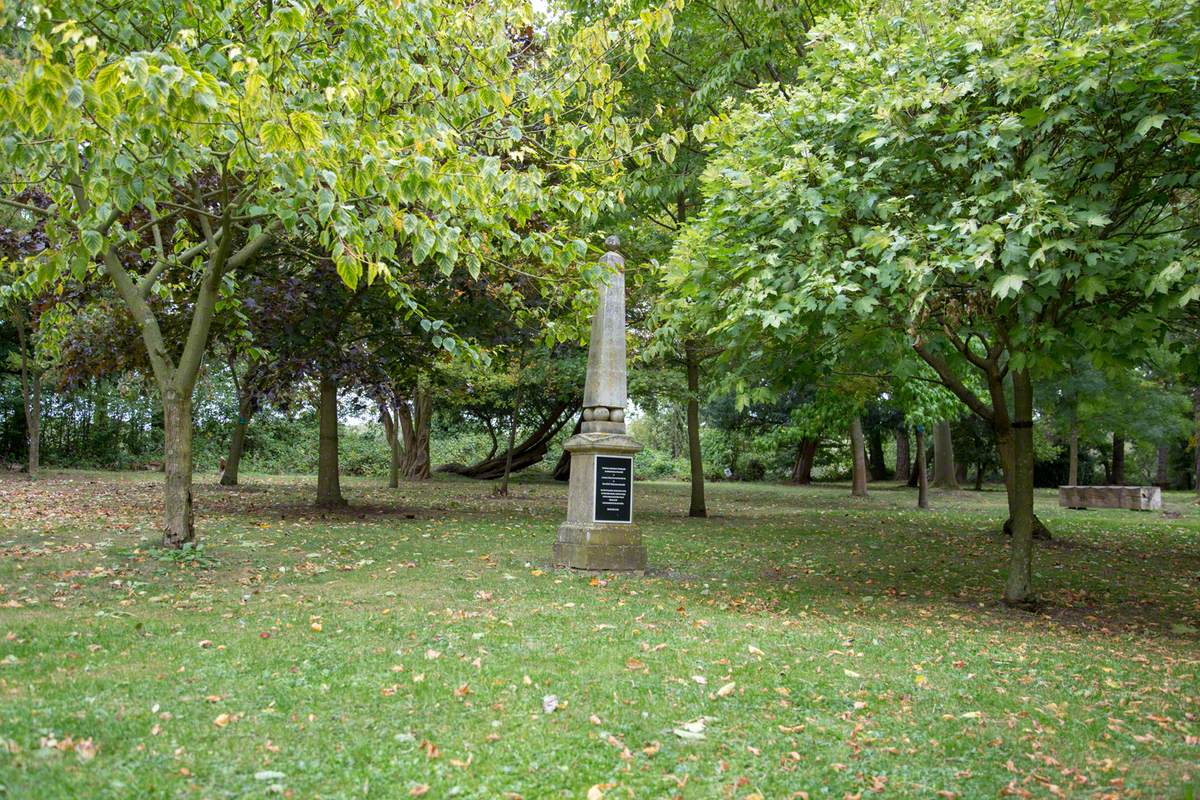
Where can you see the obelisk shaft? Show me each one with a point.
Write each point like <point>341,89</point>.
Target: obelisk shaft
<point>604,391</point>
<point>606,381</point>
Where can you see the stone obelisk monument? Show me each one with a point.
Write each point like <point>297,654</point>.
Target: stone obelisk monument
<point>599,533</point>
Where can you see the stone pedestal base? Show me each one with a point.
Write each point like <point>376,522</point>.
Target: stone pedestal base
<point>584,542</point>
<point>597,546</point>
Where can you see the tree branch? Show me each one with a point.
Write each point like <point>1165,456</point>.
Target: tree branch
<point>953,383</point>
<point>160,360</point>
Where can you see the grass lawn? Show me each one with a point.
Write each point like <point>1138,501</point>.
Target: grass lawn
<point>798,644</point>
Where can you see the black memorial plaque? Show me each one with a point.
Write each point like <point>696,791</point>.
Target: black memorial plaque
<point>614,489</point>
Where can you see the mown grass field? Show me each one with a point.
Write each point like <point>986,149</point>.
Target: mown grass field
<point>799,643</point>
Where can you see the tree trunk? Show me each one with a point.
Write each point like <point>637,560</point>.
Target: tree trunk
<point>31,391</point>
<point>1014,440</point>
<point>879,471</point>
<point>944,476</point>
<point>902,455</point>
<point>1162,476</point>
<point>179,521</point>
<point>1196,437</point>
<point>422,464</point>
<point>919,471</point>
<point>415,423</point>
<point>487,425</point>
<point>33,425</point>
<point>237,442</point>
<point>1005,434</point>
<point>1118,460</point>
<point>562,469</point>
<point>526,453</point>
<point>676,424</point>
<point>394,460</point>
<point>920,464</point>
<point>1018,589</point>
<point>807,455</point>
<point>979,476</point>
<point>512,441</point>
<point>695,458</point>
<point>1073,458</point>
<point>858,451</point>
<point>388,418</point>
<point>176,381</point>
<point>329,490</point>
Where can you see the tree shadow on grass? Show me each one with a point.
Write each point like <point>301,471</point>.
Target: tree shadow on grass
<point>1080,586</point>
<point>355,512</point>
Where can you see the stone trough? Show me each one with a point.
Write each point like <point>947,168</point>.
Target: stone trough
<point>1135,498</point>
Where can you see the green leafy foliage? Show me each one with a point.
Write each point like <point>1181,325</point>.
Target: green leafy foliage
<point>903,184</point>
<point>355,123</point>
<point>191,554</point>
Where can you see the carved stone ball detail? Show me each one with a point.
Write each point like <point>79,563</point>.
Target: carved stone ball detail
<point>617,415</point>
<point>588,415</point>
<point>600,414</point>
<point>613,242</point>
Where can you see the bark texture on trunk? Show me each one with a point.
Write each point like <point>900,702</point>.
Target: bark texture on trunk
<point>805,457</point>
<point>1018,589</point>
<point>858,451</point>
<point>237,442</point>
<point>1117,476</point>
<point>179,522</point>
<point>329,489</point>
<point>944,474</point>
<point>902,455</point>
<point>920,473</point>
<point>696,507</point>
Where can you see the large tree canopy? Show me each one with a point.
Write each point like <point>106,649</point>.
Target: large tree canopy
<point>362,122</point>
<point>175,141</point>
<point>1005,186</point>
